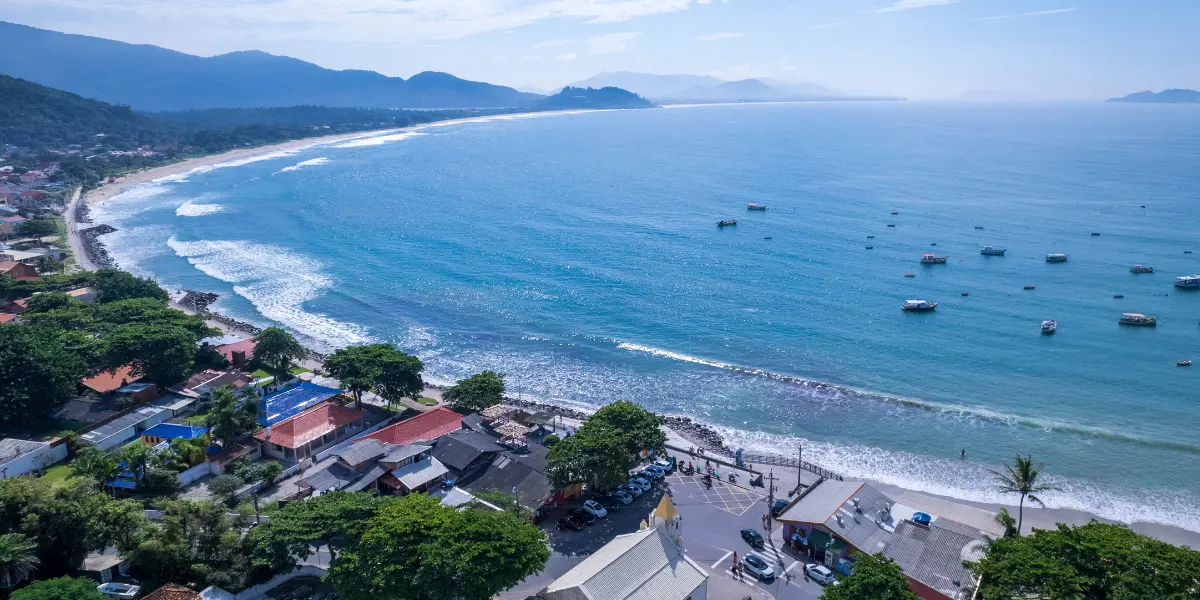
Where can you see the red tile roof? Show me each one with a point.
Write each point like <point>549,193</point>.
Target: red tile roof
<point>426,426</point>
<point>172,591</point>
<point>107,381</point>
<point>309,425</point>
<point>246,346</point>
<point>6,317</point>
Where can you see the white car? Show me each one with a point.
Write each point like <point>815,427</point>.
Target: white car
<point>758,567</point>
<point>595,509</point>
<point>820,574</point>
<point>641,483</point>
<point>119,590</point>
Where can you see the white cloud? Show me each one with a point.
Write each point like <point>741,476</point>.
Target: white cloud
<point>612,43</point>
<point>1036,13</point>
<point>550,44</point>
<point>828,26</point>
<point>361,21</point>
<point>568,56</point>
<point>716,37</point>
<point>911,4</point>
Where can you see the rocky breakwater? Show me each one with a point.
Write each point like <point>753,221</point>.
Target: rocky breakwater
<point>96,252</point>
<point>698,433</point>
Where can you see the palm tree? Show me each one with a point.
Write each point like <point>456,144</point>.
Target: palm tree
<point>18,559</point>
<point>1022,478</point>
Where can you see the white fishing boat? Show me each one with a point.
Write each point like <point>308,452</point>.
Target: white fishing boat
<point>1141,269</point>
<point>930,259</point>
<point>1188,281</point>
<point>1138,319</point>
<point>918,305</point>
<point>990,251</point>
<point>1049,326</point>
<point>1056,258</point>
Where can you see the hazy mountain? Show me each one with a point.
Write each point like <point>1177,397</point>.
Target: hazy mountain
<point>993,96</point>
<point>648,85</point>
<point>153,78</point>
<point>1177,96</point>
<point>607,97</point>
<point>533,89</point>
<point>730,91</point>
<point>803,89</point>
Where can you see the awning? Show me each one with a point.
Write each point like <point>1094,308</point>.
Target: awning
<point>420,473</point>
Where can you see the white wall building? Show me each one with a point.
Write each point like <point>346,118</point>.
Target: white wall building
<point>18,457</point>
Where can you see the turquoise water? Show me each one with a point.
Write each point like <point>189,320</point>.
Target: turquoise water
<point>580,255</point>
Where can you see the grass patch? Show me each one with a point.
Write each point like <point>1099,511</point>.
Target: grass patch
<point>427,401</point>
<point>259,374</point>
<point>57,475</point>
<point>294,370</point>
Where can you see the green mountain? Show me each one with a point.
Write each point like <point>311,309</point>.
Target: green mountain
<point>157,79</point>
<point>1177,96</point>
<point>607,97</point>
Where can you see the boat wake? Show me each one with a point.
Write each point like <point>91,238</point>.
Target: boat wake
<point>978,412</point>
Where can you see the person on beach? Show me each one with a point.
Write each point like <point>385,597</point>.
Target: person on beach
<point>964,452</point>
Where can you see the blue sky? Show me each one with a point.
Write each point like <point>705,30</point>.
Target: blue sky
<point>1068,49</point>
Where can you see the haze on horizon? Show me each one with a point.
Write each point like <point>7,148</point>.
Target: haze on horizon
<point>1036,49</point>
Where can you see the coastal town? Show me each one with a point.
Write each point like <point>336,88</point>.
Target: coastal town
<point>157,445</point>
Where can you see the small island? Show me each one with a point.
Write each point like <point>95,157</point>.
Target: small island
<point>1175,96</point>
<point>594,98</point>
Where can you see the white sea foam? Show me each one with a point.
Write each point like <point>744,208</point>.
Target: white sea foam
<point>378,140</point>
<point>312,162</point>
<point>129,203</point>
<point>276,281</point>
<point>237,162</point>
<point>192,209</point>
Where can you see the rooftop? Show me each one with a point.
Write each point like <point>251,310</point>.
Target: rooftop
<point>309,425</point>
<point>109,381</point>
<point>459,449</point>
<point>172,591</point>
<point>293,400</point>
<point>360,452</point>
<point>171,431</point>
<point>933,554</point>
<point>423,427</point>
<point>820,502</point>
<point>120,424</point>
<point>417,474</point>
<point>11,448</point>
<point>646,565</point>
<point>505,473</point>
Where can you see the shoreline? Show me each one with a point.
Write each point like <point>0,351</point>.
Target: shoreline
<point>90,254</point>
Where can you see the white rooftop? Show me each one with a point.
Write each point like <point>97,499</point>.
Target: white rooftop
<point>646,565</point>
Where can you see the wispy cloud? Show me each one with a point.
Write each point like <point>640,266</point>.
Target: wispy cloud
<point>1036,13</point>
<point>911,4</point>
<point>550,44</point>
<point>568,56</point>
<point>828,26</point>
<point>612,43</point>
<point>716,37</point>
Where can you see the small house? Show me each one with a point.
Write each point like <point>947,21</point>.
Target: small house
<point>308,433</point>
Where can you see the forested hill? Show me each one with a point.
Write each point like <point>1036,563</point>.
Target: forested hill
<point>33,115</point>
<point>607,97</point>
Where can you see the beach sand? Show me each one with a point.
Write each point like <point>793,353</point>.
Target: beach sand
<point>1040,518</point>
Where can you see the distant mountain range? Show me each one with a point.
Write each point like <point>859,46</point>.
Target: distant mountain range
<point>157,79</point>
<point>703,88</point>
<point>606,97</point>
<point>1177,96</point>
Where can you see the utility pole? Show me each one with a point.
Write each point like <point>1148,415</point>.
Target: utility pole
<point>799,465</point>
<point>770,497</point>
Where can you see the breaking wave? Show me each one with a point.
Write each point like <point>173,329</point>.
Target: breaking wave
<point>312,162</point>
<point>191,209</point>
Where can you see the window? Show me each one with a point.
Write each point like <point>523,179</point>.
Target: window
<point>278,448</point>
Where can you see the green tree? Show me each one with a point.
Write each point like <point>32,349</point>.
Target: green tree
<point>875,577</point>
<point>193,543</point>
<point>506,501</point>
<point>1096,561</point>
<point>62,588</point>
<point>416,548</point>
<point>48,264</point>
<point>231,416</point>
<point>638,428</point>
<point>37,228</point>
<point>225,486</point>
<point>393,374</point>
<point>160,354</point>
<point>606,446</point>
<point>1006,520</point>
<point>49,301</point>
<point>476,392</point>
<point>37,374</point>
<point>113,285</point>
<point>335,520</point>
<point>18,559</point>
<point>263,474</point>
<point>95,465</point>
<point>354,368</point>
<point>1022,478</point>
<point>275,350</point>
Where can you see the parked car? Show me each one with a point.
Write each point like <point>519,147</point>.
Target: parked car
<point>655,470</point>
<point>595,509</point>
<point>819,573</point>
<point>758,567</point>
<point>610,503</point>
<point>570,522</point>
<point>753,537</point>
<point>634,490</point>
<point>119,590</point>
<point>666,465</point>
<point>621,496</point>
<point>641,482</point>
<point>778,507</point>
<point>585,516</point>
<point>650,476</point>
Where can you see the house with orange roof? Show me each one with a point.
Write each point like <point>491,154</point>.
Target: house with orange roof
<point>423,427</point>
<point>308,433</point>
<point>105,382</point>
<point>19,271</point>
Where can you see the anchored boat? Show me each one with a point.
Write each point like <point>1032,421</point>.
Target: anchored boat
<point>753,206</point>
<point>1049,326</point>
<point>1188,281</point>
<point>1056,258</point>
<point>918,305</point>
<point>728,223</point>
<point>1141,269</point>
<point>929,259</point>
<point>1138,319</point>
<point>990,251</point>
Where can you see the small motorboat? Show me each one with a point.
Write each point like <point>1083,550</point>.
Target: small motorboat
<point>895,212</point>
<point>1138,319</point>
<point>870,237</point>
<point>929,259</point>
<point>979,227</point>
<point>753,206</point>
<point>870,247</point>
<point>933,244</point>
<point>1030,286</point>
<point>990,251</point>
<point>1185,251</point>
<point>1141,269</point>
<point>1094,233</point>
<point>1056,258</point>
<point>768,238</point>
<point>918,305</point>
<point>893,225</point>
<point>1143,206</point>
<point>728,223</point>
<point>910,274</point>
<point>1118,296</point>
<point>1048,326</point>
<point>1184,363</point>
<point>966,293</point>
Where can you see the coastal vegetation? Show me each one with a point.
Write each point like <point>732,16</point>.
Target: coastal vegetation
<point>75,588</point>
<point>875,577</point>
<point>607,444</point>
<point>392,374</point>
<point>275,350</point>
<point>1023,478</point>
<point>476,392</point>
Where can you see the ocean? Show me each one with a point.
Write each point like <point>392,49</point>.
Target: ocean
<point>579,254</point>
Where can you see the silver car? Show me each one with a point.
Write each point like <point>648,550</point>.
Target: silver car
<point>820,574</point>
<point>758,567</point>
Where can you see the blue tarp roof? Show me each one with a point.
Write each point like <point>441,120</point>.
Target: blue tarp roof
<point>170,431</point>
<point>292,401</point>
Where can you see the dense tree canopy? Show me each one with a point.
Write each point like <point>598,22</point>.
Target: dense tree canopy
<point>194,543</point>
<point>414,547</point>
<point>476,392</point>
<point>113,285</point>
<point>37,228</point>
<point>275,350</point>
<point>159,354</point>
<point>231,415</point>
<point>606,446</point>
<point>391,373</point>
<point>37,374</point>
<point>335,520</point>
<point>1096,561</point>
<point>62,588</point>
<point>875,577</point>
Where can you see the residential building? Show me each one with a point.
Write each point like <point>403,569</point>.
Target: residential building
<point>386,468</point>
<point>304,435</point>
<point>137,393</point>
<point>18,457</point>
<point>18,271</point>
<point>7,318</point>
<point>106,382</point>
<point>425,427</point>
<point>465,450</point>
<point>104,566</point>
<point>173,591</point>
<point>646,565</point>
<point>522,469</point>
<point>8,225</point>
<point>292,400</point>
<point>31,199</point>
<point>84,294</point>
<point>239,354</point>
<point>165,432</point>
<point>208,380</point>
<point>125,427</point>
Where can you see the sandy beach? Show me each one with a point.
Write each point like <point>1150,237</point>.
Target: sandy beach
<point>1033,517</point>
